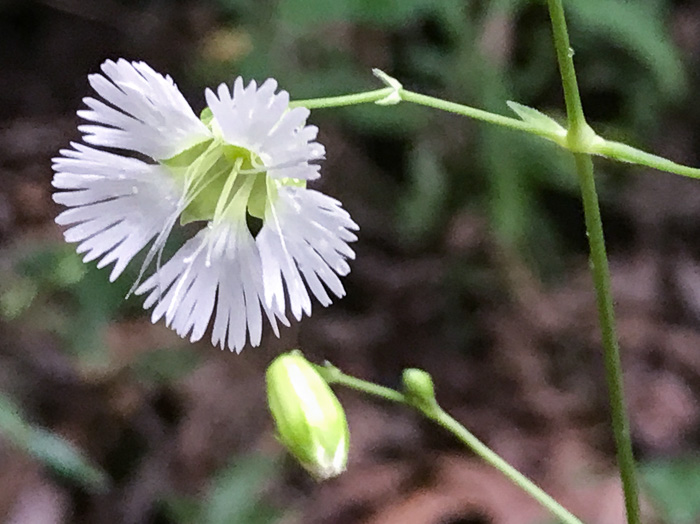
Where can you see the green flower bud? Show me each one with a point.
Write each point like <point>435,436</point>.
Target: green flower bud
<point>309,418</point>
<point>419,390</point>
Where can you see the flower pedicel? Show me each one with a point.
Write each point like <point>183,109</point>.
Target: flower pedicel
<point>249,156</point>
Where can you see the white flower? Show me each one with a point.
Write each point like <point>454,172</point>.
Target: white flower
<point>251,158</point>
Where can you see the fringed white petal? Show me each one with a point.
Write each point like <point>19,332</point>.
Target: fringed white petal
<point>303,242</point>
<point>260,120</point>
<point>148,114</point>
<point>117,205</point>
<point>215,275</point>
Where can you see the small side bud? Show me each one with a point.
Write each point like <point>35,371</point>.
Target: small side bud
<point>310,421</point>
<point>419,390</point>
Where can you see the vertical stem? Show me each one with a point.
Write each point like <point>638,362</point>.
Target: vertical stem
<point>565,53</point>
<point>599,263</point>
<point>611,353</point>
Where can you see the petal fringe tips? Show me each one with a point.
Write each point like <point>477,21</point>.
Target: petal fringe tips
<point>247,161</point>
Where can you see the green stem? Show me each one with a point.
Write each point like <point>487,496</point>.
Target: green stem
<point>625,153</point>
<point>367,97</point>
<point>579,133</point>
<point>428,101</point>
<point>334,376</point>
<point>482,450</point>
<point>565,53</point>
<point>476,114</point>
<point>579,139</point>
<point>611,353</point>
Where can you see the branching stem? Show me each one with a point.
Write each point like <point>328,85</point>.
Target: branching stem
<point>334,376</point>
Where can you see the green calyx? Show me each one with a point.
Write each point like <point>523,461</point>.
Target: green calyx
<point>310,421</point>
<point>212,171</point>
<point>223,179</point>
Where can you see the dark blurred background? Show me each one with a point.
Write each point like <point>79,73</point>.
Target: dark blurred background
<point>471,264</point>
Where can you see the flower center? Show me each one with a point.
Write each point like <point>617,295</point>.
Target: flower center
<point>213,174</point>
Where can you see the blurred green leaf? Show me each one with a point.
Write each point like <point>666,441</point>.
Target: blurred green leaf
<point>184,510</point>
<point>675,487</point>
<point>375,119</point>
<point>383,13</point>
<point>74,298</point>
<point>638,27</point>
<point>12,425</point>
<point>97,301</point>
<point>39,270</point>
<point>66,459</point>
<point>303,14</point>
<point>422,207</point>
<point>389,13</point>
<point>235,494</point>
<point>56,266</point>
<point>50,449</point>
<point>68,269</point>
<point>17,296</point>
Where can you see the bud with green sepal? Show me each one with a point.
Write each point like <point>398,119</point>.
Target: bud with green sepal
<point>310,421</point>
<point>417,386</point>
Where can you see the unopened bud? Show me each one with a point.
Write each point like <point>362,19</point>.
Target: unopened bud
<point>419,390</point>
<point>310,421</point>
